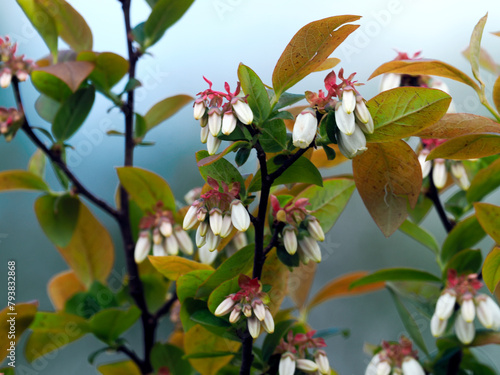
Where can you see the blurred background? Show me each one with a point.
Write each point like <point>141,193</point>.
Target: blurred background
<point>212,38</point>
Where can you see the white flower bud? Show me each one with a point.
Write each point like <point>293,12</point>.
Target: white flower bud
<point>268,322</point>
<point>352,145</point>
<point>207,256</point>
<point>243,111</point>
<point>259,309</point>
<point>426,165</point>
<point>228,123</point>
<point>225,307</point>
<point>203,227</point>
<point>171,245</point>
<point>213,144</point>
<point>314,229</point>
<point>198,109</point>
<point>239,240</point>
<point>458,170</point>
<point>371,369</point>
<point>445,305</point>
<point>465,331</point>
<point>142,247</point>
<point>322,362</point>
<point>200,240</point>
<point>202,214</point>
<point>363,117</point>
<point>464,182</point>
<point>383,368</point>
<point>5,79</point>
<point>305,128</point>
<point>204,132</point>
<point>212,240</point>
<point>440,85</point>
<point>287,364</point>
<point>390,81</point>
<point>438,326</point>
<point>412,367</point>
<point>348,101</point>
<point>185,243</point>
<point>156,237</point>
<point>439,174</point>
<point>235,314</point>
<point>166,228</point>
<point>204,123</point>
<point>310,248</point>
<point>215,220</point>
<point>253,326</point>
<point>290,240</point>
<point>306,365</point>
<point>247,310</point>
<point>22,75</point>
<point>468,309</point>
<point>214,121</point>
<point>192,195</point>
<point>159,250</point>
<point>345,121</point>
<point>190,219</point>
<point>488,312</point>
<point>227,226</point>
<point>239,216</point>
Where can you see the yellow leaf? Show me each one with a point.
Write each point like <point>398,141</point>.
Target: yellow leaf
<point>62,287</point>
<point>120,368</point>
<point>173,267</point>
<point>275,274</point>
<point>472,146</point>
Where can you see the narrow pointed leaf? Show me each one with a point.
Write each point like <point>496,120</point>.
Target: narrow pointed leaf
<point>173,267</point>
<point>475,47</point>
<point>257,94</point>
<point>453,125</point>
<point>42,21</point>
<point>421,235</point>
<point>21,180</point>
<point>473,146</point>
<point>395,274</point>
<point>165,109</point>
<point>464,235</point>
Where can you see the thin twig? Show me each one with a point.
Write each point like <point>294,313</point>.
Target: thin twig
<point>433,195</point>
<point>166,307</point>
<point>274,240</point>
<point>131,354</point>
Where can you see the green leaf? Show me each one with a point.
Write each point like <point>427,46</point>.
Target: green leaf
<point>328,202</point>
<point>420,234</point>
<point>242,156</point>
<point>21,180</point>
<point>396,274</point>
<point>491,269</point>
<point>233,266</point>
<point>286,258</point>
<point>46,326</point>
<point>206,318</point>
<point>464,235</point>
<point>188,308</point>
<point>58,216</point>
<point>47,108</point>
<point>475,47</point>
<point>173,267</point>
<point>213,158</point>
<point>155,290</point>
<point>42,21</point>
<point>146,188</point>
<point>454,125</point>
<point>458,205</point>
<point>309,48</point>
<point>488,216</point>
<point>188,284</point>
<point>421,209</point>
<point>484,182</point>
<point>273,137</point>
<point>86,304</point>
<point>164,14</point>
<point>221,170</point>
<point>286,99</point>
<point>257,94</point>
<point>73,113</point>
<point>107,325</point>
<point>36,164</point>
<point>465,261</point>
<point>409,322</point>
<point>165,109</point>
<point>171,357</point>
<point>473,146</point>
<point>140,128</point>
<point>404,111</point>
<point>302,170</point>
<point>120,368</point>
<point>109,68</point>
<point>272,340</point>
<point>221,292</point>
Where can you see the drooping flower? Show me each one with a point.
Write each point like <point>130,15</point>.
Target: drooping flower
<point>305,128</point>
<point>395,358</point>
<point>12,65</point>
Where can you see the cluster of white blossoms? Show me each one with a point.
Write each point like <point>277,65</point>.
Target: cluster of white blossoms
<point>301,231</point>
<point>395,359</point>
<point>352,117</point>
<point>219,117</point>
<point>216,213</point>
<point>462,291</point>
<point>303,352</point>
<point>159,231</point>
<point>12,65</point>
<point>251,302</point>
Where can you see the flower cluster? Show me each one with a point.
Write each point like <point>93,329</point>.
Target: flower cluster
<point>351,115</point>
<point>218,117</point>
<point>160,231</point>
<point>250,301</point>
<point>10,121</point>
<point>301,231</point>
<point>217,212</point>
<point>303,352</point>
<point>12,65</point>
<point>440,166</point>
<point>462,290</point>
<point>395,358</point>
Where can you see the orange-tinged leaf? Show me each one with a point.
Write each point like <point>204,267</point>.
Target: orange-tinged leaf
<point>71,72</point>
<point>300,282</point>
<point>275,274</point>
<point>309,48</point>
<point>21,180</point>
<point>328,64</point>
<point>319,159</point>
<point>62,287</point>
<point>491,269</point>
<point>496,33</point>
<point>472,146</point>
<point>456,124</point>
<point>388,177</point>
<point>496,93</point>
<point>90,252</point>
<point>177,339</point>
<point>165,109</point>
<point>200,340</point>
<point>213,158</point>
<point>485,60</point>
<point>425,67</point>
<point>120,368</point>
<point>339,287</point>
<point>173,267</point>
<point>25,313</point>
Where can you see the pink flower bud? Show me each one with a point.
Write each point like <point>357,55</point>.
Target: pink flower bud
<point>228,123</point>
<point>412,367</point>
<point>314,229</point>
<point>305,128</point>
<point>227,226</point>
<point>166,228</point>
<point>352,145</point>
<point>345,121</point>
<point>306,365</point>
<point>268,322</point>
<point>445,305</point>
<point>184,241</point>
<point>242,110</point>
<point>171,245</point>
<point>225,307</point>
<point>348,101</point>
<point>142,247</point>
<point>287,364</point>
<point>468,309</point>
<point>465,331</point>
<point>207,256</point>
<point>159,250</point>
<point>322,362</point>
<point>290,239</point>
<point>199,109</point>
<point>439,174</point>
<point>216,220</point>
<point>204,132</point>
<point>214,121</point>
<point>213,144</point>
<point>438,326</point>
<point>253,326</point>
<point>239,216</point>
